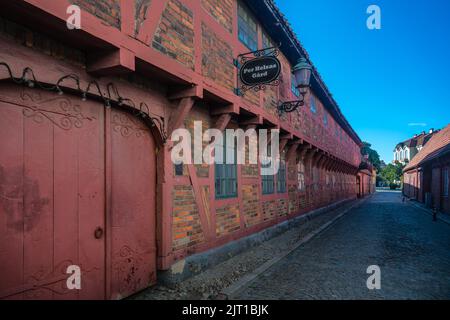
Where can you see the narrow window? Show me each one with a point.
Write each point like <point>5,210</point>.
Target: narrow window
<point>325,118</point>
<point>294,88</point>
<point>267,181</point>
<point>445,181</point>
<point>247,28</point>
<point>281,181</point>
<point>226,176</point>
<point>301,176</point>
<point>266,42</point>
<point>315,173</point>
<point>179,169</point>
<point>313,104</point>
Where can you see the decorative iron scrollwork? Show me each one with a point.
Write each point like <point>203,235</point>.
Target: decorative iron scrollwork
<point>93,89</point>
<point>290,106</point>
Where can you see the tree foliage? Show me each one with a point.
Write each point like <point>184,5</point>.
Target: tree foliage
<point>392,172</point>
<point>374,157</point>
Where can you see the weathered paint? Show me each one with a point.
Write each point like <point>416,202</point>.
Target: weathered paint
<point>53,195</point>
<point>182,86</point>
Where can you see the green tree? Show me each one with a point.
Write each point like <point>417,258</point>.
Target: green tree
<point>392,172</point>
<point>374,157</point>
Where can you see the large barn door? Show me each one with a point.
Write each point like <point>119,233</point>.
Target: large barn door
<point>51,194</point>
<point>77,187</point>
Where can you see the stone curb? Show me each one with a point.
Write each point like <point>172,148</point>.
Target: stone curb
<point>429,211</point>
<point>235,288</point>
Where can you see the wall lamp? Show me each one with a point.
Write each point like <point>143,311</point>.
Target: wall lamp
<point>302,74</point>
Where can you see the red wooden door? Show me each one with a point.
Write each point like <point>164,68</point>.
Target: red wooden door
<point>132,162</point>
<point>51,195</point>
<point>67,170</point>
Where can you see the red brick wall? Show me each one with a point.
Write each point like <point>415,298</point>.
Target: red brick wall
<point>251,199</point>
<point>227,219</point>
<point>107,10</point>
<point>221,11</point>
<point>174,36</point>
<point>186,228</point>
<point>217,59</point>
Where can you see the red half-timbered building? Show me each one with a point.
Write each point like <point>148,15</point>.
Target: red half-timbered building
<point>86,176</point>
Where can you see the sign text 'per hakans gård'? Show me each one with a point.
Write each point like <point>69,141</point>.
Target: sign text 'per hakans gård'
<point>260,71</point>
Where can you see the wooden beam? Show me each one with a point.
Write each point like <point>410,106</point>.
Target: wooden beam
<point>219,110</point>
<point>179,114</point>
<point>195,91</point>
<point>116,62</point>
<point>283,143</point>
<point>150,24</point>
<point>292,151</point>
<point>256,120</point>
<point>127,14</point>
<point>223,121</point>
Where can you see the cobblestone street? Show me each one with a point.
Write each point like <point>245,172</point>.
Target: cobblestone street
<point>412,251</point>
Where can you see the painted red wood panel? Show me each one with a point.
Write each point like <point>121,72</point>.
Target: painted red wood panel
<point>133,203</point>
<point>51,194</point>
<point>54,180</point>
<point>11,199</point>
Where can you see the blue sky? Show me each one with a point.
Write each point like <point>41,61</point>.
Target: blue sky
<point>387,80</point>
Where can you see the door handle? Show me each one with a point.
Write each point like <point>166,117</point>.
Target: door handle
<point>98,233</point>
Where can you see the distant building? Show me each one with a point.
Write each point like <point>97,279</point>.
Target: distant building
<point>426,177</point>
<point>405,151</point>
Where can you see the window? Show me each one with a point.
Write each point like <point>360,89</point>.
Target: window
<point>268,184</point>
<point>301,176</point>
<point>445,181</point>
<point>267,181</point>
<point>281,181</point>
<point>226,176</point>
<point>315,173</point>
<point>294,88</point>
<point>266,42</point>
<point>313,104</point>
<point>247,28</point>
<point>325,118</point>
<point>179,169</point>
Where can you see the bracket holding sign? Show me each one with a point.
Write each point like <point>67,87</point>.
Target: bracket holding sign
<point>258,69</point>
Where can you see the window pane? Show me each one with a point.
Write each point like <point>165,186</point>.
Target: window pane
<point>313,104</point>
<point>247,29</point>
<point>294,88</point>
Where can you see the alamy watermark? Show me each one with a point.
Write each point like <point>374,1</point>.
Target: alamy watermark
<point>228,149</point>
<point>374,20</point>
<point>74,19</point>
<point>374,280</point>
<point>73,282</point>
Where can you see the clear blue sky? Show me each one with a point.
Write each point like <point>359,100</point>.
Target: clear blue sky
<point>386,81</point>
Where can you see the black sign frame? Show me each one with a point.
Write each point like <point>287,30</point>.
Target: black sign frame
<point>248,57</point>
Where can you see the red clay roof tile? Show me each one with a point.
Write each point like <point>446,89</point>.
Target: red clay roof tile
<point>437,144</point>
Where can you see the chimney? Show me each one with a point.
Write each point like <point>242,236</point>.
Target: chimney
<point>431,130</point>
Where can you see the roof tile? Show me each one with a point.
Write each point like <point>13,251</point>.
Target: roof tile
<point>434,146</point>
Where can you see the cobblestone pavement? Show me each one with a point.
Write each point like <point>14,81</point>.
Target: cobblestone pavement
<point>412,252</point>
<point>210,283</point>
